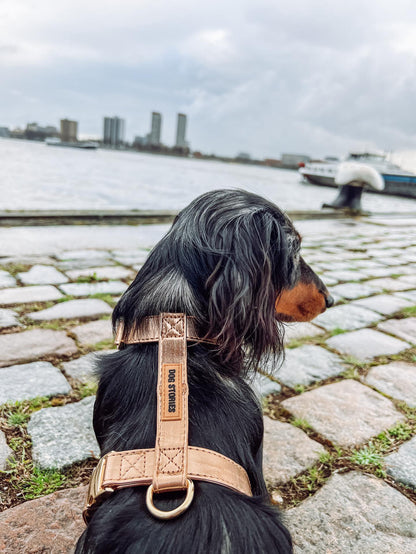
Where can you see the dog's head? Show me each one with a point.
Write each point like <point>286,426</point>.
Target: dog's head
<point>232,260</point>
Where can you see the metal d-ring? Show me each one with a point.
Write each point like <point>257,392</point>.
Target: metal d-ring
<point>172,513</point>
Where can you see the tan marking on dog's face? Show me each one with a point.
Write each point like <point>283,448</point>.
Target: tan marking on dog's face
<point>302,303</point>
<point>306,300</point>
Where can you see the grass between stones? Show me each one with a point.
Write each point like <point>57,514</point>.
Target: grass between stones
<point>22,480</point>
<point>368,458</point>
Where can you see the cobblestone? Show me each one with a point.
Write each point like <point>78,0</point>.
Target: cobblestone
<point>402,328</point>
<point>107,272</point>
<point>287,452</point>
<point>365,344</point>
<point>8,318</point>
<point>73,309</point>
<point>64,435</point>
<point>83,368</point>
<point>307,364</point>
<point>385,304</point>
<point>347,317</point>
<point>88,289</point>
<point>401,465</point>
<point>345,413</point>
<point>42,275</point>
<point>366,515</point>
<point>6,280</point>
<point>296,331</point>
<point>351,291</point>
<point>5,452</point>
<point>354,513</point>
<point>22,382</point>
<point>93,332</point>
<point>391,285</point>
<point>24,295</point>
<point>397,379</point>
<point>31,345</point>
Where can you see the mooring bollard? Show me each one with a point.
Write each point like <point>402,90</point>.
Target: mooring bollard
<point>352,178</point>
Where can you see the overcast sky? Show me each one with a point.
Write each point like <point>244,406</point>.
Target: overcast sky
<point>261,76</point>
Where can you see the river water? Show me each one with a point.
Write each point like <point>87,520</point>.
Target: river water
<point>34,176</point>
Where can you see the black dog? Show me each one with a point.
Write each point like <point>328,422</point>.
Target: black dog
<point>231,260</point>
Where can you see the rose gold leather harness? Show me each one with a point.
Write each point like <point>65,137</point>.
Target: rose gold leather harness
<point>172,465</point>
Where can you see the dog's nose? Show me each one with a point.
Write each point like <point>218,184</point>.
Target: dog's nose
<point>329,301</point>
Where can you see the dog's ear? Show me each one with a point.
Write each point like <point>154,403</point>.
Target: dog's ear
<point>243,286</point>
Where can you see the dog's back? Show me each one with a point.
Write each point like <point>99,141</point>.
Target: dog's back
<point>224,416</point>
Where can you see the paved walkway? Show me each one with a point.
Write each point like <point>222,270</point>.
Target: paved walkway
<point>340,423</point>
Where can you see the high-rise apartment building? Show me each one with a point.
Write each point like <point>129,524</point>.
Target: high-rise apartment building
<point>69,130</point>
<point>113,130</point>
<point>181,131</point>
<point>156,129</point>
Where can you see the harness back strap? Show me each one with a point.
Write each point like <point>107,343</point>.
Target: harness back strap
<point>172,406</point>
<point>171,464</point>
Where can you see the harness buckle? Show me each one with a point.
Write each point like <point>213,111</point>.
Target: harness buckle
<point>96,492</point>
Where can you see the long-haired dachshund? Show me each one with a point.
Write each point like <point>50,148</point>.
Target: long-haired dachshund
<point>231,261</point>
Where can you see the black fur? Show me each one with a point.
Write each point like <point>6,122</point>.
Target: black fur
<point>225,260</point>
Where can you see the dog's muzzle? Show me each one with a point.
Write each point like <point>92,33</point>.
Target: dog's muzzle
<point>172,465</point>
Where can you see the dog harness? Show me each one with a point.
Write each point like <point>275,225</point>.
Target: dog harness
<point>172,465</point>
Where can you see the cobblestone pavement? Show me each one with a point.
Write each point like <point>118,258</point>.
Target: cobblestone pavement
<point>340,413</point>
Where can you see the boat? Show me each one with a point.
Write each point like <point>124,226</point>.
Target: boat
<point>85,145</point>
<point>397,181</point>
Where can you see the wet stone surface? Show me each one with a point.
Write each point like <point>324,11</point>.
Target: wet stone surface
<point>64,435</point>
<point>401,465</point>
<point>345,413</point>
<point>397,379</point>
<point>287,452</point>
<point>308,363</point>
<point>25,381</point>
<point>365,344</point>
<point>353,512</point>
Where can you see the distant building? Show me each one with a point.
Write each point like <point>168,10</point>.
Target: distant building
<point>69,130</point>
<point>243,156</point>
<point>291,161</point>
<point>156,129</point>
<point>181,131</point>
<point>114,128</point>
<point>34,131</point>
<point>4,132</point>
<point>273,162</point>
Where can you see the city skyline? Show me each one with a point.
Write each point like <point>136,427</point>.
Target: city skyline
<point>259,77</point>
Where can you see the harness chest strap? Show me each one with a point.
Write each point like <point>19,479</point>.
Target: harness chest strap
<point>171,464</point>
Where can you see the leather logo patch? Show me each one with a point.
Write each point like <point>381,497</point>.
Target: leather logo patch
<point>171,392</point>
